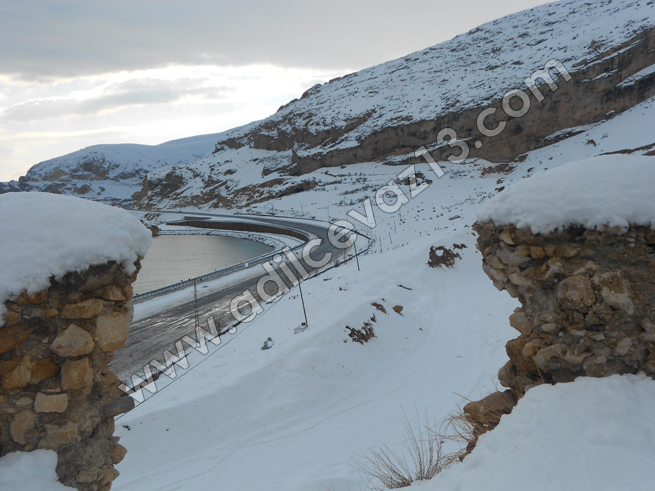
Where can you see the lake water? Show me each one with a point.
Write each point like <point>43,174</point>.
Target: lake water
<point>173,258</point>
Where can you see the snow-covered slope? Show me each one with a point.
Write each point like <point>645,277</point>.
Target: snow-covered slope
<point>111,171</point>
<point>385,113</point>
<point>296,417</point>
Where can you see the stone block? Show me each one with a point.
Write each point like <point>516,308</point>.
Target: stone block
<point>74,341</point>
<point>521,323</point>
<point>108,475</point>
<point>83,310</point>
<point>11,317</point>
<point>119,406</point>
<point>23,427</point>
<point>59,436</point>
<point>112,330</point>
<point>113,293</point>
<point>9,338</point>
<point>20,376</point>
<point>87,477</point>
<point>576,293</point>
<point>44,370</point>
<point>50,403</point>
<point>118,453</point>
<point>76,374</point>
<point>37,298</point>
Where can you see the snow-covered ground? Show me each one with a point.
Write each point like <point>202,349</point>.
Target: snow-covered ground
<point>592,434</point>
<point>30,471</point>
<point>294,416</point>
<point>297,416</point>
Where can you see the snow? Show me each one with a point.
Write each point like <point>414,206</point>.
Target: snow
<point>30,471</point>
<point>115,171</point>
<point>588,435</point>
<point>44,235</point>
<point>294,417</point>
<point>608,190</point>
<point>468,71</point>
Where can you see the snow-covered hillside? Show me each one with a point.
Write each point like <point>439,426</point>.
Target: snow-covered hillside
<point>385,113</point>
<point>111,171</point>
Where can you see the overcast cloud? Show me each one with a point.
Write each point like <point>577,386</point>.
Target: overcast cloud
<point>89,71</point>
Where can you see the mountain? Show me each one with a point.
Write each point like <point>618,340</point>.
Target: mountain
<point>112,172</point>
<point>385,113</point>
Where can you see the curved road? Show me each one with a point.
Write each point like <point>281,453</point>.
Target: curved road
<point>151,336</point>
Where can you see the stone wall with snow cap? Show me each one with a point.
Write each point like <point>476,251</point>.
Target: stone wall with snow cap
<point>66,269</point>
<point>576,246</point>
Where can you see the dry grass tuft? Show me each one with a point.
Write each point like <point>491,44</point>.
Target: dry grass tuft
<point>423,458</point>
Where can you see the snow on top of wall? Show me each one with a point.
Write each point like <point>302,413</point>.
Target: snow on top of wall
<point>30,471</point>
<point>44,235</point>
<point>612,190</point>
<point>588,435</point>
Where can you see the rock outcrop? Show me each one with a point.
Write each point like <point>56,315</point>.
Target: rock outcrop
<point>56,391</point>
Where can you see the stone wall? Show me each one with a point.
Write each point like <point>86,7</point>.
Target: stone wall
<point>587,308</point>
<point>56,391</point>
<point>587,301</point>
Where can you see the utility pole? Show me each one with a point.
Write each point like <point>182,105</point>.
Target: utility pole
<point>195,304</point>
<point>303,305</point>
<point>356,256</point>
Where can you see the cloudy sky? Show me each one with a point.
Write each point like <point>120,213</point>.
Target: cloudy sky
<point>75,73</point>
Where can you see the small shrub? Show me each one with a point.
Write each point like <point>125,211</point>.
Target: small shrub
<point>440,256</point>
<point>362,335</point>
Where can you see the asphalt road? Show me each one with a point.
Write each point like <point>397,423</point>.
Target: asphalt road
<point>151,336</point>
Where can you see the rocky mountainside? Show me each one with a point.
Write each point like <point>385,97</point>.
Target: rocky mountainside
<point>385,113</point>
<point>109,171</point>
